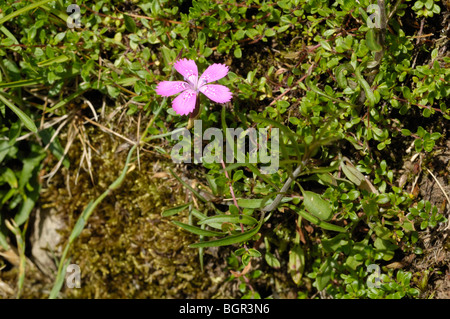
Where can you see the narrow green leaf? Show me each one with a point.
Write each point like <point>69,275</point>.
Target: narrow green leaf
<point>258,203</point>
<point>201,249</point>
<point>175,210</point>
<point>240,219</point>
<point>197,214</point>
<point>23,10</point>
<point>319,170</point>
<point>4,149</point>
<point>65,100</point>
<point>197,230</point>
<point>9,34</point>
<point>79,226</point>
<point>188,186</point>
<point>116,184</point>
<point>59,281</point>
<point>286,130</point>
<point>372,41</point>
<point>21,83</point>
<point>58,59</point>
<point>229,240</point>
<point>60,14</point>
<point>127,81</point>
<point>22,116</point>
<point>363,13</point>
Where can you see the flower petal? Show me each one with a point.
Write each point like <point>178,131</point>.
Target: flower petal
<point>216,92</point>
<point>188,69</point>
<point>185,102</point>
<point>168,88</point>
<point>213,73</point>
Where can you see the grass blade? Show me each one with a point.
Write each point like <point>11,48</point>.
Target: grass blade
<point>259,202</point>
<point>242,219</point>
<point>23,10</point>
<point>65,101</point>
<point>197,230</point>
<point>21,83</point>
<point>22,116</point>
<point>175,210</point>
<point>14,228</point>
<point>188,186</point>
<point>58,59</point>
<point>229,240</point>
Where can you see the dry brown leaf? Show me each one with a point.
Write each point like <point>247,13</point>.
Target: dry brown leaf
<point>243,272</point>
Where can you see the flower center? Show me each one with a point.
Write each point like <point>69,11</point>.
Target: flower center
<point>192,80</point>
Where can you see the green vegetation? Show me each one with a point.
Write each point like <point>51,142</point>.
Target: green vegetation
<point>359,97</point>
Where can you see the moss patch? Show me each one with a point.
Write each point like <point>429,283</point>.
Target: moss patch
<point>127,250</point>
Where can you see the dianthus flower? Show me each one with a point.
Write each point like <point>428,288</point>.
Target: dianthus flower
<point>185,103</point>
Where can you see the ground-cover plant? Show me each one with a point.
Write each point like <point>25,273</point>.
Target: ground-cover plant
<point>358,114</point>
<point>344,90</point>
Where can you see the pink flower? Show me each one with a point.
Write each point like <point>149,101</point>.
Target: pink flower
<point>185,102</point>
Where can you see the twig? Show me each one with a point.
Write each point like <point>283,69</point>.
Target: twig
<point>104,128</point>
<point>422,22</point>
<point>70,139</point>
<point>394,9</point>
<point>283,190</point>
<point>92,108</point>
<point>440,186</point>
<point>45,126</point>
<point>56,133</point>
<point>443,191</point>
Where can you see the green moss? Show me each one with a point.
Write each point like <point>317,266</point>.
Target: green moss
<point>127,250</point>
